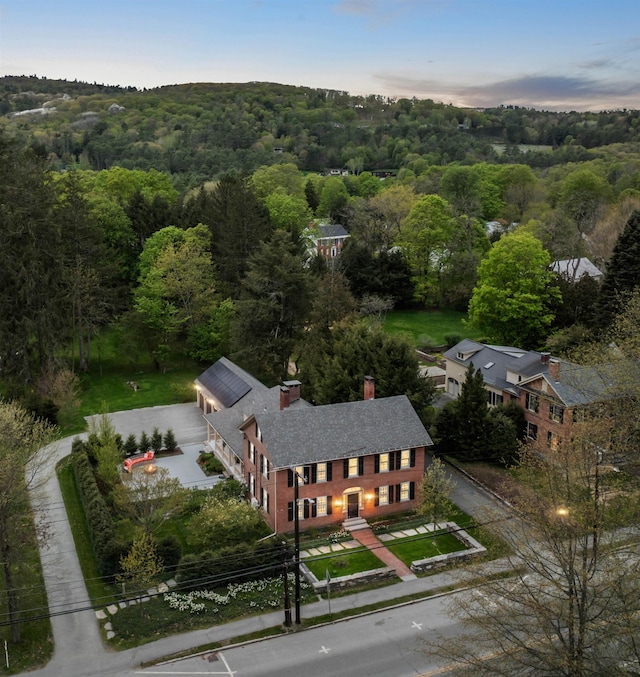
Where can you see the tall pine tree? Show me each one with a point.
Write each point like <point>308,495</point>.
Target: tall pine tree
<point>623,273</point>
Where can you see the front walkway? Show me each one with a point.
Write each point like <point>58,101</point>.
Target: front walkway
<point>369,539</point>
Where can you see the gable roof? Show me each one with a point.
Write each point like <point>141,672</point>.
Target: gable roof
<point>227,383</point>
<point>574,269</point>
<point>345,430</point>
<point>331,230</point>
<point>495,361</point>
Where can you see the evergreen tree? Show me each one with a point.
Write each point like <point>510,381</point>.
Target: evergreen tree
<point>273,308</point>
<point>623,272</point>
<point>239,224</point>
<point>170,440</point>
<point>311,195</point>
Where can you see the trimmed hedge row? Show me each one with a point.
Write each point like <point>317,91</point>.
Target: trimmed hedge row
<point>105,548</point>
<point>232,564</point>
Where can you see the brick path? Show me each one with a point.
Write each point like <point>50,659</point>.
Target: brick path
<point>369,539</point>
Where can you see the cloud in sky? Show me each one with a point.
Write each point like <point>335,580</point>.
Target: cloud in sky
<point>552,92</point>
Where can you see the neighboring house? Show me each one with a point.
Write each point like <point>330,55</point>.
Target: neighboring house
<point>575,269</point>
<point>351,460</point>
<point>552,392</point>
<point>327,239</point>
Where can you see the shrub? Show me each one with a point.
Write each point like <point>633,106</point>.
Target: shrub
<point>169,550</point>
<point>145,443</point>
<point>452,339</point>
<point>156,440</point>
<point>170,441</point>
<point>130,445</point>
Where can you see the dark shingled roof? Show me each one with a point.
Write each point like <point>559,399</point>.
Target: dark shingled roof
<point>344,430</point>
<point>331,230</point>
<point>227,382</point>
<point>228,421</point>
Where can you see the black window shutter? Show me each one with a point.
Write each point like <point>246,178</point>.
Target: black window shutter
<point>314,473</point>
<point>305,474</point>
<point>289,477</point>
<point>412,461</point>
<point>329,472</point>
<point>361,465</point>
<point>346,468</point>
<point>390,493</point>
<point>398,459</point>
<point>314,510</point>
<point>412,490</point>
<point>290,511</point>
<point>377,499</point>
<point>376,463</point>
<point>329,503</point>
<point>397,493</point>
<point>306,510</point>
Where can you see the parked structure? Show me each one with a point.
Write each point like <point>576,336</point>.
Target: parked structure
<point>327,239</point>
<point>350,460</point>
<point>552,392</point>
<point>575,269</point>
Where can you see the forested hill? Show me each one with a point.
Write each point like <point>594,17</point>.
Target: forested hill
<point>199,131</point>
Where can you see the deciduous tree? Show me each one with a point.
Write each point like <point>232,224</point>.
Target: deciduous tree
<point>514,299</point>
<point>22,452</point>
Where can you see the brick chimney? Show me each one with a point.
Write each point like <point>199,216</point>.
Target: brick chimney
<point>369,388</point>
<point>554,369</point>
<point>284,397</point>
<point>544,358</point>
<point>294,390</point>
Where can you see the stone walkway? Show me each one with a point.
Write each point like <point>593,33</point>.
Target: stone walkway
<point>112,609</point>
<point>369,539</point>
<point>375,543</point>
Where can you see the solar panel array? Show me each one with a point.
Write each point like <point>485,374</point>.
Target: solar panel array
<point>226,386</point>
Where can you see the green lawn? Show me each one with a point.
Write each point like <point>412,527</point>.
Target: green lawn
<point>424,327</point>
<point>343,563</point>
<point>36,644</point>
<point>421,547</point>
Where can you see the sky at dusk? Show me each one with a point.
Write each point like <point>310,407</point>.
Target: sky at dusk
<point>547,54</point>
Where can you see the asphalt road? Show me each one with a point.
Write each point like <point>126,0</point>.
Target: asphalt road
<point>389,643</point>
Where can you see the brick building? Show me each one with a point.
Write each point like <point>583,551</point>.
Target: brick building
<point>552,392</point>
<point>351,460</point>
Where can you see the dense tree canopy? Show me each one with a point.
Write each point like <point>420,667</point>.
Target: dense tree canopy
<point>513,301</point>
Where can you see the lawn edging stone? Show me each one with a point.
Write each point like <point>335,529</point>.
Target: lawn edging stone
<point>473,546</point>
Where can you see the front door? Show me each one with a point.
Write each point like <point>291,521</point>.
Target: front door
<point>352,505</point>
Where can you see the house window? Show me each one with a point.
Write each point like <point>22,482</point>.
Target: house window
<point>264,499</point>
<point>384,463</point>
<point>405,489</point>
<point>453,387</point>
<point>321,506</point>
<point>405,458</point>
<point>321,472</point>
<point>533,402</point>
<point>493,399</point>
<point>383,495</point>
<point>252,452</point>
<point>553,440</point>
<point>532,431</point>
<point>264,465</point>
<point>252,484</point>
<point>556,413</point>
<point>353,467</point>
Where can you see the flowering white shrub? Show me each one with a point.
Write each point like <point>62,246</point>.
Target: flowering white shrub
<point>260,594</point>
